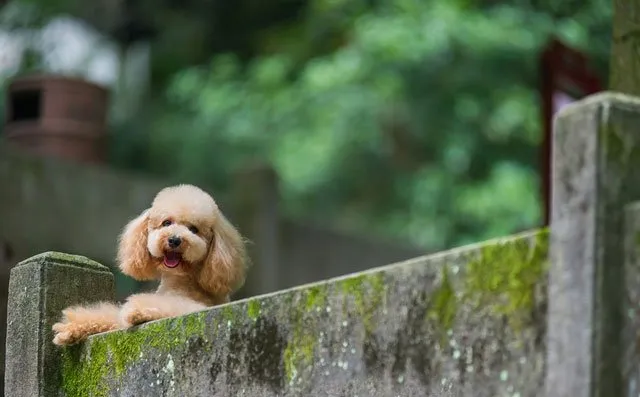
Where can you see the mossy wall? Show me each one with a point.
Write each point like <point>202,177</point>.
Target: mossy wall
<point>468,322</point>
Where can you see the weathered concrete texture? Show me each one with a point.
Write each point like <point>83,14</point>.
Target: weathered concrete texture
<point>625,63</point>
<point>468,322</point>
<point>595,174</point>
<point>39,288</point>
<point>631,337</point>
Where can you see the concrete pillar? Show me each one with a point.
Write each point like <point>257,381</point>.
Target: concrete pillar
<point>39,288</point>
<point>596,172</point>
<point>631,329</point>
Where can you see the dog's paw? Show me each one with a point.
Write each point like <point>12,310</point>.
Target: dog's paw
<point>133,315</point>
<point>65,334</point>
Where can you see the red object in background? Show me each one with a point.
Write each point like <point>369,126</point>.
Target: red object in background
<point>57,116</point>
<point>565,78</point>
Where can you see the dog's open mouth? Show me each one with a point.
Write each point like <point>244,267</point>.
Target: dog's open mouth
<point>172,259</point>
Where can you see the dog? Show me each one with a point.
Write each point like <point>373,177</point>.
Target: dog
<point>184,240</point>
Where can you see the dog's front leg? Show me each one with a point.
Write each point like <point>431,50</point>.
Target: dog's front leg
<point>78,322</point>
<point>141,308</point>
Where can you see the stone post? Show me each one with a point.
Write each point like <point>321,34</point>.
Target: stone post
<point>631,354</point>
<point>596,172</point>
<point>39,288</point>
<point>6,261</point>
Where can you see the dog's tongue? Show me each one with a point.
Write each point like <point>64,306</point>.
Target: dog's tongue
<point>171,259</point>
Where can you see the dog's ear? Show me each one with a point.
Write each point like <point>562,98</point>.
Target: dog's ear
<point>224,268</point>
<point>134,258</point>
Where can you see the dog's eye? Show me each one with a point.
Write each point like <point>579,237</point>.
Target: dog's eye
<point>193,229</point>
<point>166,222</point>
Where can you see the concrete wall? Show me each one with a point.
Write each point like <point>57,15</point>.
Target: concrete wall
<point>311,253</point>
<point>446,325</point>
<point>52,205</point>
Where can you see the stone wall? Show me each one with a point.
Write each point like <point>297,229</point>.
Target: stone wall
<point>468,322</point>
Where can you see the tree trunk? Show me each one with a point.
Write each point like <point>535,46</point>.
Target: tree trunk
<point>625,51</point>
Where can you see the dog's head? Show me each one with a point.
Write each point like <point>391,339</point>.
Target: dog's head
<point>184,234</point>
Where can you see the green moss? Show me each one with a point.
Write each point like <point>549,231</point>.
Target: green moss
<point>253,309</point>
<point>368,292</point>
<point>86,368</point>
<point>85,377</point>
<point>500,279</point>
<point>316,297</point>
<point>444,302</point>
<point>503,277</point>
<point>298,355</point>
<point>195,324</point>
<point>228,314</point>
<point>378,286</point>
<point>303,308</point>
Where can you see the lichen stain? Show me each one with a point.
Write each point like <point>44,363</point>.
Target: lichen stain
<point>503,278</point>
<point>84,372</point>
<point>368,293</point>
<point>415,345</point>
<point>299,352</point>
<point>612,141</point>
<point>444,302</point>
<point>316,297</point>
<point>361,297</point>
<point>622,151</point>
<point>253,309</point>
<point>260,349</point>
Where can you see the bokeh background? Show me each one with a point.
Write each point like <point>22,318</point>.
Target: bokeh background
<point>411,120</point>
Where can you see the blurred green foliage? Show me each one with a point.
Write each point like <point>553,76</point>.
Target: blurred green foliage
<point>412,119</point>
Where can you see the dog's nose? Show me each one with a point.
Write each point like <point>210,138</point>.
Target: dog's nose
<point>174,241</point>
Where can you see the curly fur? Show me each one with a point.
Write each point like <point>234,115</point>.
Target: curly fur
<point>224,271</point>
<point>133,257</point>
<point>211,265</point>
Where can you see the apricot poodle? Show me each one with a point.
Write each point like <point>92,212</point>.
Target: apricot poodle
<point>183,240</point>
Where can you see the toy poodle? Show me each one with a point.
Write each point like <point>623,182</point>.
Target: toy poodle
<point>183,240</point>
